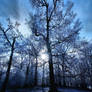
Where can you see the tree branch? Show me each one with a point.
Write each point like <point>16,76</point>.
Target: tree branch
<point>4,32</point>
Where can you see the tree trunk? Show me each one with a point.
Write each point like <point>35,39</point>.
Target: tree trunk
<point>43,76</point>
<point>36,73</point>
<point>26,76</point>
<point>59,78</point>
<point>4,85</point>
<point>51,72</point>
<point>63,70</point>
<point>27,73</point>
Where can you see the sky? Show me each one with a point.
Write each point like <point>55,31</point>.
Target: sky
<point>19,10</point>
<point>84,13</point>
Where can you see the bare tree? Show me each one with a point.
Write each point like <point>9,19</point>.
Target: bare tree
<point>11,43</point>
<point>55,24</point>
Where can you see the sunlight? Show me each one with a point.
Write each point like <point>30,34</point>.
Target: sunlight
<point>44,56</point>
<point>24,29</point>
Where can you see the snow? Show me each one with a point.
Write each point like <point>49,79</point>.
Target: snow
<point>30,90</point>
<point>71,90</point>
<point>46,90</point>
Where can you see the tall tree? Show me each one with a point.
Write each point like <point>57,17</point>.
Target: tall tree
<point>10,37</point>
<point>55,23</point>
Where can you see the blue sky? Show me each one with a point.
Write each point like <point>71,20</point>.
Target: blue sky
<point>84,11</point>
<point>20,8</point>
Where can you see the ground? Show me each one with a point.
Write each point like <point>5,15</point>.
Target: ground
<point>46,90</point>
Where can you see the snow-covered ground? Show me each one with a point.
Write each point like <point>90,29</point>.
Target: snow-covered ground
<point>71,90</point>
<point>46,90</point>
<point>30,90</point>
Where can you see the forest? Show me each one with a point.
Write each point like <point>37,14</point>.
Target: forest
<point>53,58</point>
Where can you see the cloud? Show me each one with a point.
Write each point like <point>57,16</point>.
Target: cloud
<point>9,8</point>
